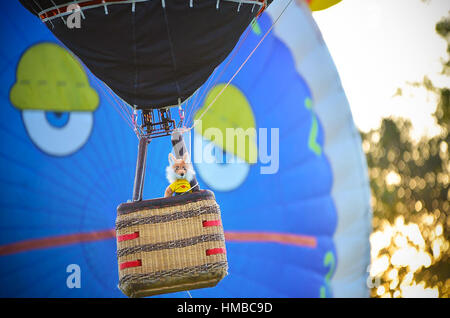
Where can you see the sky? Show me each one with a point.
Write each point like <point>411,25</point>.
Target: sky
<point>379,46</point>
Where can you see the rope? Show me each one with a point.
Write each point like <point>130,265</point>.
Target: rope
<point>129,117</point>
<point>117,107</point>
<point>192,101</point>
<point>216,80</point>
<point>59,12</point>
<point>240,67</point>
<point>37,14</point>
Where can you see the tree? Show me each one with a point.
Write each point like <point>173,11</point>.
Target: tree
<point>410,198</point>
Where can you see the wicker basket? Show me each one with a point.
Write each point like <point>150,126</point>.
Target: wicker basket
<point>170,244</point>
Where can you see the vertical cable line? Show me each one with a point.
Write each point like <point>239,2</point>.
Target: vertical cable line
<point>172,53</point>
<point>240,67</point>
<point>135,59</point>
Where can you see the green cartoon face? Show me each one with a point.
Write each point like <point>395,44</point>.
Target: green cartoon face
<point>53,92</point>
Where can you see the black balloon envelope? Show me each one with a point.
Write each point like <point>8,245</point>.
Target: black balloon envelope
<point>152,54</point>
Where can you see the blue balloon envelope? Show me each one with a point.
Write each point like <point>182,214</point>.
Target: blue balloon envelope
<point>301,230</point>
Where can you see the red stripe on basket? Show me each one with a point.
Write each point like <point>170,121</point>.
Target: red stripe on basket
<point>126,237</point>
<point>213,251</point>
<point>211,223</point>
<point>129,264</point>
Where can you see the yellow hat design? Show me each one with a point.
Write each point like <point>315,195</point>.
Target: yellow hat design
<point>49,78</point>
<point>231,112</point>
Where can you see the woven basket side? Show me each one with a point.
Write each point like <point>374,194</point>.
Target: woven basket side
<point>166,232</point>
<point>170,248</point>
<point>172,259</point>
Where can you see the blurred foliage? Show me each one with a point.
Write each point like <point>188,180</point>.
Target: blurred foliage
<point>410,198</point>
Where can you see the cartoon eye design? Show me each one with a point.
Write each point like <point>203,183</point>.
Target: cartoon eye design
<point>53,92</point>
<point>58,134</point>
<point>57,119</point>
<point>226,173</point>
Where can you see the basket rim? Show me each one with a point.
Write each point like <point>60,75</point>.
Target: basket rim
<point>158,203</point>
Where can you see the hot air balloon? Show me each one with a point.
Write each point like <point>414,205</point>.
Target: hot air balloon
<point>296,224</point>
